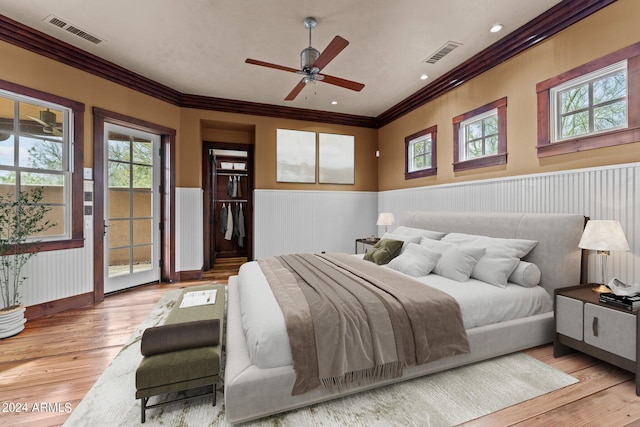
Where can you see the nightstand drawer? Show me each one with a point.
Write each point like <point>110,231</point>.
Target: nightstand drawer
<point>610,330</point>
<point>569,319</point>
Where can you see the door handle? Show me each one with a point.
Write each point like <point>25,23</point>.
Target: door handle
<point>595,326</point>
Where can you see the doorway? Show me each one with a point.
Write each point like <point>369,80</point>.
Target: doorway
<point>131,207</point>
<point>227,172</point>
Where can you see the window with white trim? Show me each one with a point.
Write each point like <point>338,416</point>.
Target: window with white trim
<point>420,153</point>
<point>590,104</point>
<point>38,150</point>
<point>479,135</point>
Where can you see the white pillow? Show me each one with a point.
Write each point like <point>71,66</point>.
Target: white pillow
<point>513,247</point>
<point>494,268</point>
<point>526,274</point>
<point>456,262</point>
<point>500,259</point>
<point>416,261</point>
<point>406,239</point>
<point>411,231</point>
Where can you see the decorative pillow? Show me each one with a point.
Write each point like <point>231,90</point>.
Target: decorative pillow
<point>404,238</point>
<point>415,261</point>
<point>500,259</point>
<point>526,274</point>
<point>514,247</point>
<point>383,251</point>
<point>180,336</point>
<point>494,268</point>
<point>411,231</point>
<point>456,262</point>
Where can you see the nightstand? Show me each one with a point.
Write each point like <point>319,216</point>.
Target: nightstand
<point>583,323</point>
<point>365,243</point>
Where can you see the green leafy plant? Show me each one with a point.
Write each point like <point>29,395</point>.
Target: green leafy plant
<point>20,220</point>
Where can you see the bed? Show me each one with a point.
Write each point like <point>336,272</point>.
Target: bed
<point>259,378</point>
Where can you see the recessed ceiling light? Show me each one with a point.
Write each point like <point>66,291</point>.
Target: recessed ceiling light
<point>424,77</point>
<point>496,28</point>
<point>334,102</point>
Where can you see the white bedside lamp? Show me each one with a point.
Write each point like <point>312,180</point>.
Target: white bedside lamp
<point>603,236</point>
<point>386,219</point>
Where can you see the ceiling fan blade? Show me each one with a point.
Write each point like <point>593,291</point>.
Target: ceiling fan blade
<point>336,46</point>
<point>270,65</point>
<point>347,84</point>
<point>296,90</point>
<point>43,123</point>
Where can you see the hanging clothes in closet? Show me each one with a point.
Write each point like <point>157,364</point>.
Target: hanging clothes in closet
<point>229,231</point>
<point>240,226</point>
<point>223,219</point>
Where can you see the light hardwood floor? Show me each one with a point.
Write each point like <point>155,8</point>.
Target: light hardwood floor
<point>51,365</point>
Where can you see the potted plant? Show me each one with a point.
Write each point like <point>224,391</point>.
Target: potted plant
<point>21,219</point>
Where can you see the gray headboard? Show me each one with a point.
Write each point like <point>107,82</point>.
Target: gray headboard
<point>557,253</point>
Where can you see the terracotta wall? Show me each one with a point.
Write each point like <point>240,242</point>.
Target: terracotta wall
<point>611,29</point>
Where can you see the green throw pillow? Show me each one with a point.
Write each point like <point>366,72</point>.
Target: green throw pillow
<point>384,251</point>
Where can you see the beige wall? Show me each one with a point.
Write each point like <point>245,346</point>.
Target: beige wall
<point>612,28</point>
<point>37,72</point>
<point>198,125</point>
<point>608,30</point>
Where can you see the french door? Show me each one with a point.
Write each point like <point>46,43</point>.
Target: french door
<point>132,207</point>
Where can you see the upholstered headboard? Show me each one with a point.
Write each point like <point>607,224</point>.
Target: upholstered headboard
<point>557,253</point>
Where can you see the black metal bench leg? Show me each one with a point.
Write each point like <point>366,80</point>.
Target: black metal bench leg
<point>143,408</point>
<point>214,394</point>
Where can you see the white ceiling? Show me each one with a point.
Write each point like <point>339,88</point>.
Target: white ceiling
<point>199,46</point>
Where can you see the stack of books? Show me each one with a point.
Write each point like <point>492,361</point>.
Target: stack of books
<point>630,303</point>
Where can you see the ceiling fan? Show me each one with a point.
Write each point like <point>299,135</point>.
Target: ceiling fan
<point>312,62</point>
<point>48,121</point>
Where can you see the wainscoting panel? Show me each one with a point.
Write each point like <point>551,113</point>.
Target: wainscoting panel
<point>189,238</point>
<point>311,221</point>
<point>55,275</point>
<point>611,192</point>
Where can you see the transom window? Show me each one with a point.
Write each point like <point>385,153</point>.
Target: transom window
<point>590,104</point>
<point>420,153</point>
<point>37,151</point>
<point>480,137</point>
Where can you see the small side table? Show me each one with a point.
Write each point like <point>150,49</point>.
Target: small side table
<point>365,243</point>
<point>603,331</point>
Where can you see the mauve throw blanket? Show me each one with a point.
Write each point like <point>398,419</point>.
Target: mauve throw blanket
<point>351,322</point>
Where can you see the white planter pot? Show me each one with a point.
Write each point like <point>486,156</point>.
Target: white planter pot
<point>12,321</point>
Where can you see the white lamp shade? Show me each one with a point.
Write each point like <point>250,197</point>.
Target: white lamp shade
<point>603,235</point>
<point>386,219</point>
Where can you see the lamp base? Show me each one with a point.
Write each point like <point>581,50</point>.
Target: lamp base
<point>602,289</point>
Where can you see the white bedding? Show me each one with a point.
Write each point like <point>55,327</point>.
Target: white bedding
<point>481,304</point>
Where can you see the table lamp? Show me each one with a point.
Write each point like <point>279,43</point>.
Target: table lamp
<point>386,219</point>
<point>603,236</point>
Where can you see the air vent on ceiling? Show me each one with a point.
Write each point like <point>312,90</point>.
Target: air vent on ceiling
<point>60,23</point>
<point>442,52</point>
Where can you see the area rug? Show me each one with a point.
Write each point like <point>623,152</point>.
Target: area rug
<point>443,399</point>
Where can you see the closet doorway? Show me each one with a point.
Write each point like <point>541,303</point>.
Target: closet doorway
<point>228,201</point>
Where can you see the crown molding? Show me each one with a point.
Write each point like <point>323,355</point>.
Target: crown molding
<point>554,20</point>
<point>549,23</point>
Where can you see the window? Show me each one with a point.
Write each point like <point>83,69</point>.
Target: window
<point>37,150</point>
<point>591,106</point>
<point>480,137</point>
<point>420,153</point>
<point>596,102</point>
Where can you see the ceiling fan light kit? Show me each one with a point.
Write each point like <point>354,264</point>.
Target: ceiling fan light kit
<point>312,61</point>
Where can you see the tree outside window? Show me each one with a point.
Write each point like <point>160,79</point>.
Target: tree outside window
<point>591,104</point>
